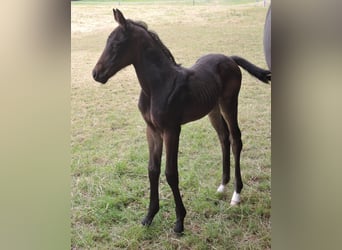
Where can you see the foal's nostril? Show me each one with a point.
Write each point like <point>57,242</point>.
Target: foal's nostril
<point>94,74</point>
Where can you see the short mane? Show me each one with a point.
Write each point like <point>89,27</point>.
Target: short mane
<point>156,38</point>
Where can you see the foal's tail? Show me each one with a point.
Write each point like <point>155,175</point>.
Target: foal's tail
<point>261,74</point>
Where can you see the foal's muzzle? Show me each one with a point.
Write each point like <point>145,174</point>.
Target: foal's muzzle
<point>98,76</point>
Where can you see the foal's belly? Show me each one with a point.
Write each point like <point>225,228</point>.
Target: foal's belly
<point>196,112</point>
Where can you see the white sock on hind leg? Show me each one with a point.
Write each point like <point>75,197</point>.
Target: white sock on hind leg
<point>235,199</point>
<point>221,188</point>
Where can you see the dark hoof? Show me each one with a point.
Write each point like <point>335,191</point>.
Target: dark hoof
<point>179,228</point>
<point>146,221</point>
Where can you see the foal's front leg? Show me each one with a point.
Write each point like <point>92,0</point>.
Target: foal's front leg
<point>171,138</point>
<point>155,145</point>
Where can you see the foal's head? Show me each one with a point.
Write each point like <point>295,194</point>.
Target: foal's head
<point>119,51</point>
<point>124,45</point>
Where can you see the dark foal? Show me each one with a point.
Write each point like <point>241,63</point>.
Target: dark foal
<point>172,95</point>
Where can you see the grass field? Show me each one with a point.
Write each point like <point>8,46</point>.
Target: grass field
<point>182,2</point>
<point>109,181</point>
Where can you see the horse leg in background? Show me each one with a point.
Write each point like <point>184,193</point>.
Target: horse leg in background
<point>221,128</point>
<point>229,110</point>
<point>267,38</point>
<point>171,138</point>
<point>155,145</point>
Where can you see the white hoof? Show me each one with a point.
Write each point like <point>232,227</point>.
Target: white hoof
<point>221,188</point>
<point>235,199</point>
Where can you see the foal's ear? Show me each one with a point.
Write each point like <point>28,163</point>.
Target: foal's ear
<point>119,17</point>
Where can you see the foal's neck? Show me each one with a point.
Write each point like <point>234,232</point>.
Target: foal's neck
<point>154,69</point>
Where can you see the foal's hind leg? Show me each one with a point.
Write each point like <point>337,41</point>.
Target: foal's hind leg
<point>222,131</point>
<point>155,145</point>
<point>229,110</point>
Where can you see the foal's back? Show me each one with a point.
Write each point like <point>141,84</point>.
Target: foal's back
<point>218,67</point>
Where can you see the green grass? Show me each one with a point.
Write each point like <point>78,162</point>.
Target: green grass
<point>109,152</point>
